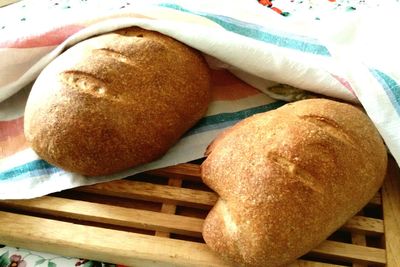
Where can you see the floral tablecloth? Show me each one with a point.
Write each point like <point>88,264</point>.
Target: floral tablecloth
<point>18,257</point>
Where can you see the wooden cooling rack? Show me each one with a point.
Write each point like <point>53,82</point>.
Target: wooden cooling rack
<point>155,219</point>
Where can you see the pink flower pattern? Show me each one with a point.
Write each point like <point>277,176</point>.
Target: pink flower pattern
<point>17,261</point>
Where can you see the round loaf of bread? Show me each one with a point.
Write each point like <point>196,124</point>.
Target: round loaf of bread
<point>289,178</point>
<point>115,101</point>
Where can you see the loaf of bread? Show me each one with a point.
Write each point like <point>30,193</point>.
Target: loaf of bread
<point>289,178</point>
<point>115,101</point>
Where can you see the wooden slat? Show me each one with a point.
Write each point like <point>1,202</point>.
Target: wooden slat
<point>376,200</point>
<point>359,239</point>
<point>93,212</point>
<point>352,253</point>
<point>365,225</point>
<point>107,245</point>
<point>391,214</point>
<point>153,192</point>
<point>304,263</point>
<point>185,170</point>
<point>357,264</point>
<point>169,208</point>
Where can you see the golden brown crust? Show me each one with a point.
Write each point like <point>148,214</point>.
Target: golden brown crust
<point>116,101</point>
<point>288,178</point>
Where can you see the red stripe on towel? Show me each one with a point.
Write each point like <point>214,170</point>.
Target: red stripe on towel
<point>12,138</point>
<point>9,129</point>
<point>226,86</point>
<point>51,38</point>
<point>345,83</point>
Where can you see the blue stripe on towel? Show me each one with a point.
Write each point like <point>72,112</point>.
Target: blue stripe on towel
<point>224,120</point>
<point>34,168</point>
<point>391,87</point>
<point>40,167</point>
<point>260,33</point>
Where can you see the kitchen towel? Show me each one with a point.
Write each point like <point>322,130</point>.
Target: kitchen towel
<point>258,53</point>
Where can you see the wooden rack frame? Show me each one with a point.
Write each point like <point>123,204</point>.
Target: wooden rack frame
<point>155,219</point>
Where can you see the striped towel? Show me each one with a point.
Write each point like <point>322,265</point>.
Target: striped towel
<point>251,49</point>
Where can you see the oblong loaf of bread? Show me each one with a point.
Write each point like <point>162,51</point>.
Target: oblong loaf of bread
<point>288,178</point>
<point>115,101</point>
